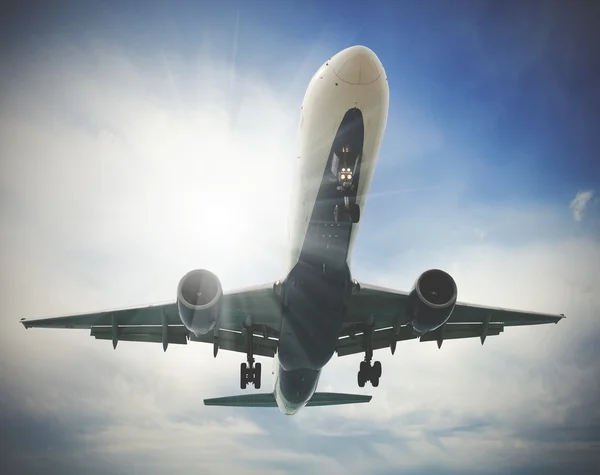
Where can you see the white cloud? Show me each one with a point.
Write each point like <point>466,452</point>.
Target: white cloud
<point>579,203</point>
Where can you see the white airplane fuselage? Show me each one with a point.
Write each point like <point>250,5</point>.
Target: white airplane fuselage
<point>342,124</point>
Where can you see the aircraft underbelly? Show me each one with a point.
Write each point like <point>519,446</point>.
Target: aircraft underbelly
<point>315,293</point>
<point>314,304</point>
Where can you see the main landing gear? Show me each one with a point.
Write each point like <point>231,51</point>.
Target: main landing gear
<point>368,372</point>
<point>347,212</point>
<point>250,372</point>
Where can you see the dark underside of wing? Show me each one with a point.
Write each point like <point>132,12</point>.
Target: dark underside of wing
<point>384,312</point>
<point>160,323</point>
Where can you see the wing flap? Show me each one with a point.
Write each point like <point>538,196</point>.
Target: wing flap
<point>384,338</point>
<point>381,339</point>
<point>453,331</point>
<point>175,334</point>
<point>235,341</point>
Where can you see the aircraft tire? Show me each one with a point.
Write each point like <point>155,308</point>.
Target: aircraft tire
<point>257,375</point>
<point>377,369</point>
<point>243,378</point>
<point>361,379</point>
<point>364,367</point>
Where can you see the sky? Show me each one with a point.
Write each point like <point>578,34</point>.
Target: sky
<point>138,143</point>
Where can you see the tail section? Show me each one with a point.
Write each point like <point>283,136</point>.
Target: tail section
<point>268,400</point>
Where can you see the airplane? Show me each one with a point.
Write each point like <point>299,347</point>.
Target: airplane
<point>318,308</point>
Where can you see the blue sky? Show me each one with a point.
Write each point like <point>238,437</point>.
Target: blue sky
<point>115,120</point>
<point>516,82</point>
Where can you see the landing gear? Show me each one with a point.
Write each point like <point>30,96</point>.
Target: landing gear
<point>368,372</point>
<point>347,212</point>
<point>250,372</point>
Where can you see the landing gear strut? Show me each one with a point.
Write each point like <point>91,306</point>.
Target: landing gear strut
<point>250,372</point>
<point>347,212</point>
<point>368,372</point>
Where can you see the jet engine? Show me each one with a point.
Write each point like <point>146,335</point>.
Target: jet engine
<point>198,300</point>
<point>431,300</point>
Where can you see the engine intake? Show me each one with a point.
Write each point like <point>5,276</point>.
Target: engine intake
<point>198,300</point>
<point>431,300</point>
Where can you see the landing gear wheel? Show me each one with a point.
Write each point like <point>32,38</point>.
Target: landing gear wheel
<point>361,379</point>
<point>369,373</point>
<point>250,374</point>
<point>364,368</point>
<point>376,370</point>
<point>257,374</point>
<point>243,376</point>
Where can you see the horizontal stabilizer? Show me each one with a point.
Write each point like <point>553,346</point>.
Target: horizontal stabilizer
<point>268,400</point>
<point>244,400</point>
<point>335,399</point>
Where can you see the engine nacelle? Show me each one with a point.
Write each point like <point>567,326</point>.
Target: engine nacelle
<point>431,300</point>
<point>198,301</point>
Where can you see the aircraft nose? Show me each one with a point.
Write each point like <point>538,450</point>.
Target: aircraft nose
<point>357,65</point>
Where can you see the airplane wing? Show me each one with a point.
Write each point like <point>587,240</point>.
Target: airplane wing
<point>384,311</point>
<point>160,323</point>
